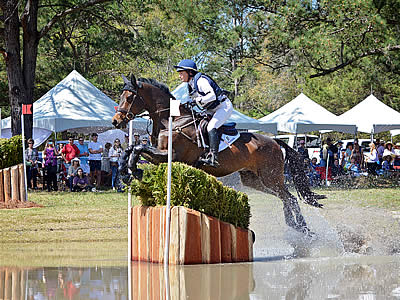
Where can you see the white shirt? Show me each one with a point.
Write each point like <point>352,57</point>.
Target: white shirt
<point>113,152</point>
<point>204,87</point>
<point>95,146</point>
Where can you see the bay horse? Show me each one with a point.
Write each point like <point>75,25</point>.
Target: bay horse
<point>258,158</point>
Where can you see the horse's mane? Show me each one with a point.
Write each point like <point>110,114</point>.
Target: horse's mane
<point>157,84</point>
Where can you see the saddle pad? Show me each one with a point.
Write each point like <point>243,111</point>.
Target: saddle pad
<point>227,140</point>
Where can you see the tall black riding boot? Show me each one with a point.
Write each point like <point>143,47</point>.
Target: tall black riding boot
<point>212,158</point>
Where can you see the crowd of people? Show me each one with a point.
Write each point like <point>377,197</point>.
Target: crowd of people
<point>338,161</point>
<point>77,166</point>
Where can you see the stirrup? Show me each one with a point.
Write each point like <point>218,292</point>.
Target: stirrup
<point>209,161</point>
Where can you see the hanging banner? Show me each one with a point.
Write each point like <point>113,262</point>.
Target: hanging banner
<point>26,109</point>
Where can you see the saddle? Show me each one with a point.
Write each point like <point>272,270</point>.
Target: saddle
<point>227,129</point>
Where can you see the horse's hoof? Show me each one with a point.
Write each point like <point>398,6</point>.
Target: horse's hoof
<point>126,179</point>
<point>253,235</point>
<point>138,174</point>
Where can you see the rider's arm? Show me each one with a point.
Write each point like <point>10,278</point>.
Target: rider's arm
<point>205,88</point>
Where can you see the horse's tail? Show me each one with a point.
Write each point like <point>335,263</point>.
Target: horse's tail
<point>301,182</point>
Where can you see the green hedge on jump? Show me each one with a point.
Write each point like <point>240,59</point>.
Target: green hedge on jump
<point>10,152</point>
<point>195,189</point>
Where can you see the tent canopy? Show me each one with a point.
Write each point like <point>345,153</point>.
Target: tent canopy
<point>73,103</point>
<point>242,121</point>
<point>372,116</point>
<point>302,115</point>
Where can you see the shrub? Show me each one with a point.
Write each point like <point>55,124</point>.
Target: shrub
<point>10,151</point>
<point>192,188</point>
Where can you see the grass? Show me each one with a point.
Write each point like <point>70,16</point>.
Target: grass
<point>70,228</point>
<point>89,229</point>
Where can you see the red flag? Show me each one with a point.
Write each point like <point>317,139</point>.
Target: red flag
<point>26,109</point>
<point>116,108</point>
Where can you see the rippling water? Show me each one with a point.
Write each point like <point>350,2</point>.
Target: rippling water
<point>286,266</point>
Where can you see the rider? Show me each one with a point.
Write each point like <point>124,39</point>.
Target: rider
<point>208,95</point>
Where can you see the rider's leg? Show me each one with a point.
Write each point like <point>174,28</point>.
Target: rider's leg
<point>221,114</point>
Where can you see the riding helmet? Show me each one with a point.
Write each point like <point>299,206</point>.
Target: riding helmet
<point>186,65</point>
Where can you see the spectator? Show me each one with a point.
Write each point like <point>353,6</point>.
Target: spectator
<point>372,161</point>
<point>347,153</point>
<point>380,150</point>
<point>353,167</point>
<point>115,154</point>
<point>145,141</point>
<point>83,155</point>
<point>389,147</point>
<point>75,165</point>
<point>81,182</point>
<point>397,153</point>
<point>95,151</point>
<point>31,157</point>
<point>136,139</point>
<point>337,169</point>
<point>69,152</point>
<point>302,150</point>
<point>358,154</point>
<point>311,171</point>
<point>50,162</point>
<point>340,152</point>
<point>105,160</point>
<point>125,144</point>
<point>327,152</point>
<point>387,162</point>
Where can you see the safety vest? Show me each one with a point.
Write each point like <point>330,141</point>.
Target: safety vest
<point>217,91</point>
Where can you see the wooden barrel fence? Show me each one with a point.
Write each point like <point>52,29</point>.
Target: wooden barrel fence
<point>12,184</point>
<point>195,238</point>
<point>13,283</point>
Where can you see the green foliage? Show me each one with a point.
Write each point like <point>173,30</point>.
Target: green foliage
<point>10,152</point>
<point>193,189</point>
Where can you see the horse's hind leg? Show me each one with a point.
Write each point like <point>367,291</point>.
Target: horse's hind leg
<point>278,189</point>
<point>275,182</point>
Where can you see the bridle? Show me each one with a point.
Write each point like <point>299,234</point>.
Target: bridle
<point>135,95</point>
<point>130,99</point>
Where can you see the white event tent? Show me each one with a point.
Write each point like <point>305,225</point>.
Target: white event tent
<point>372,116</point>
<point>73,103</point>
<point>242,121</point>
<point>302,115</point>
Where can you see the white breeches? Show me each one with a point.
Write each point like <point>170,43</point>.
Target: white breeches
<point>220,114</point>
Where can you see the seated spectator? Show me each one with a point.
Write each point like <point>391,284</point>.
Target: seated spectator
<point>81,182</point>
<point>72,170</point>
<point>373,160</point>
<point>358,154</point>
<point>312,174</point>
<point>337,169</point>
<point>379,151</point>
<point>347,153</point>
<point>353,168</point>
<point>387,164</point>
<point>396,161</point>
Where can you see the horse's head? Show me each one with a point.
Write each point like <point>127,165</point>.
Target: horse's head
<point>131,102</point>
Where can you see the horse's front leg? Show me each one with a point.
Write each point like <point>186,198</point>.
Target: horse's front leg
<point>155,155</point>
<point>128,162</point>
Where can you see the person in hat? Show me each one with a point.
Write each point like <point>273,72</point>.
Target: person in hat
<point>206,93</point>
<point>302,150</point>
<point>95,151</point>
<point>387,164</point>
<point>75,165</point>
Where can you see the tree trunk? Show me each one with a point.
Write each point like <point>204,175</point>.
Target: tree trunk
<point>16,88</point>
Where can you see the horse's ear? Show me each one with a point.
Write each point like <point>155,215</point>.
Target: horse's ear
<point>136,84</point>
<point>126,81</point>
